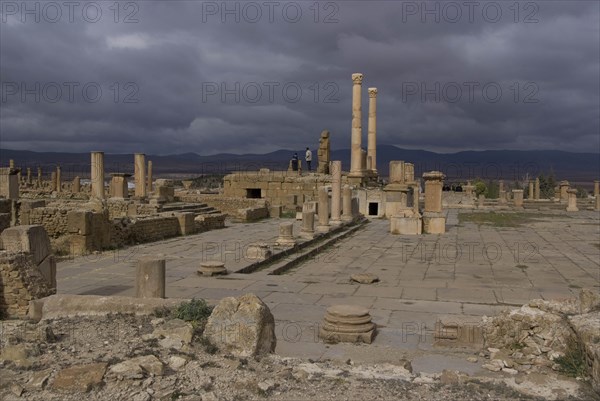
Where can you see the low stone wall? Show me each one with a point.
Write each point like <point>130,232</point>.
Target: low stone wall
<point>252,214</point>
<point>53,219</point>
<point>151,229</point>
<point>232,206</point>
<point>128,208</point>
<point>209,222</point>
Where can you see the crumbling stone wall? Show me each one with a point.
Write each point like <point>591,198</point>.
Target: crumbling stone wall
<point>20,282</point>
<point>232,206</point>
<point>53,219</point>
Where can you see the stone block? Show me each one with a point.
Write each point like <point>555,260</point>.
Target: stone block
<point>275,211</point>
<point>30,204</point>
<point>187,224</point>
<point>434,224</point>
<point>30,239</point>
<point>79,222</point>
<point>406,225</point>
<point>48,270</point>
<point>80,378</point>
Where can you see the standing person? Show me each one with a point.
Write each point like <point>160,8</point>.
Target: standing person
<point>308,158</point>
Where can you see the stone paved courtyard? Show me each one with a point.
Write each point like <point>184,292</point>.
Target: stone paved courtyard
<point>472,270</point>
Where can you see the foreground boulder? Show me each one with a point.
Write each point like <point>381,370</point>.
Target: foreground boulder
<point>243,326</point>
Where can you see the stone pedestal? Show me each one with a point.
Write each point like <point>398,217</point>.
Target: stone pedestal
<point>356,171</point>
<point>518,198</point>
<point>347,203</point>
<point>212,268</point>
<point>120,189</point>
<point>275,211</point>
<point>336,192</point>
<point>397,175</point>
<point>286,235</point>
<point>409,172</point>
<point>537,189</point>
<point>406,225</point>
<point>258,251</point>
<point>140,175</point>
<point>308,225</point>
<point>323,225</point>
<point>572,200</point>
<point>433,191</point>
<point>150,278</point>
<point>97,175</point>
<point>434,223</point>
<point>347,323</point>
<point>502,197</point>
<point>372,131</point>
<point>530,192</point>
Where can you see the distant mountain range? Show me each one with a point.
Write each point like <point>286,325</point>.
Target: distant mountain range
<point>488,164</point>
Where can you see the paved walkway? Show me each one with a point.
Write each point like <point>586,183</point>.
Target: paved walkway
<point>471,270</point>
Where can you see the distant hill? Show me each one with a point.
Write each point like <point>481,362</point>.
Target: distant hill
<point>488,164</point>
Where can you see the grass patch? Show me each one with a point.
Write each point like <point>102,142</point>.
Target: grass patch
<point>573,362</point>
<point>522,266</point>
<point>501,219</point>
<point>288,214</point>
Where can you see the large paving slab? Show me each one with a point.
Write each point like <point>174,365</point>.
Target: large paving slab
<point>472,270</point>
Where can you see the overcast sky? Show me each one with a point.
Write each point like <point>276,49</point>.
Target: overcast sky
<point>241,77</point>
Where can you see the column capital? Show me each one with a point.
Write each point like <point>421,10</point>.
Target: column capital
<point>372,92</point>
<point>357,78</point>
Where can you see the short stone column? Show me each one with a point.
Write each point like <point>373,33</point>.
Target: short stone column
<point>149,185</point>
<point>434,221</point>
<point>564,188</point>
<point>97,175</point>
<point>572,200</point>
<point>336,192</point>
<point>501,192</point>
<point>530,194</point>
<point>39,177</point>
<point>53,181</point>
<point>140,175</point>
<point>518,198</point>
<point>347,203</point>
<point>355,155</point>
<point>596,188</point>
<point>537,189</point>
<point>11,164</point>
<point>29,176</point>
<point>286,235</point>
<point>58,179</point>
<point>120,188</point>
<point>150,278</point>
<point>308,225</point>
<point>372,131</point>
<point>416,193</point>
<point>480,200</point>
<point>76,186</point>
<point>323,225</point>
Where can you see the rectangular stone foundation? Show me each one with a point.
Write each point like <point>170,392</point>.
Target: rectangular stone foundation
<point>434,225</point>
<point>406,225</point>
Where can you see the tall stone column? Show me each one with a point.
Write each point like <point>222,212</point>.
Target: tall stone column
<point>39,177</point>
<point>537,189</point>
<point>323,225</point>
<point>140,175</point>
<point>530,194</point>
<point>347,203</point>
<point>97,175</point>
<point>53,181</point>
<point>372,130</point>
<point>149,176</point>
<point>336,192</point>
<point>416,192</point>
<point>58,179</point>
<point>501,192</point>
<point>596,188</point>
<point>355,156</point>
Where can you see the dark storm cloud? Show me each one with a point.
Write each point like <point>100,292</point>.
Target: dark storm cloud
<point>172,65</point>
